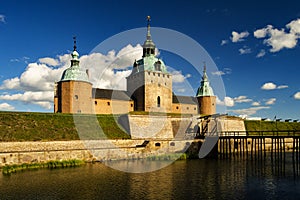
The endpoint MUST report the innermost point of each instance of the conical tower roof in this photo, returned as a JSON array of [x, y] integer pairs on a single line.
[[74, 72], [204, 89]]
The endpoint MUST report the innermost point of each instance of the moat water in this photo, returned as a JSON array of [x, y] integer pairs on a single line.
[[191, 179]]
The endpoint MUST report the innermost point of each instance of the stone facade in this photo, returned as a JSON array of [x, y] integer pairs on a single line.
[[207, 105], [112, 106], [73, 97]]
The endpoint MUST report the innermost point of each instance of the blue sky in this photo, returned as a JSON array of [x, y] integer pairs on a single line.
[[254, 45]]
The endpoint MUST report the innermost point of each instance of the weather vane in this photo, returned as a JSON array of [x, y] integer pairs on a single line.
[[148, 19]]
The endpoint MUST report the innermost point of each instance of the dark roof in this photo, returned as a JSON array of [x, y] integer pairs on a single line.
[[110, 94], [184, 99]]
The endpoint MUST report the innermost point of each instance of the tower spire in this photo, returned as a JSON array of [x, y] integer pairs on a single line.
[[74, 39], [204, 77], [148, 28], [149, 46]]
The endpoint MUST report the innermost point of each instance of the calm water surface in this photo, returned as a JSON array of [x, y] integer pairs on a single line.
[[192, 179]]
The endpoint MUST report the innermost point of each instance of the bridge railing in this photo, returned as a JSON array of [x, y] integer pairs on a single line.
[[260, 133]]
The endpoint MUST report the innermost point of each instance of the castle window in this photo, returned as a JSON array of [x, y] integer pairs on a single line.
[[158, 74], [194, 108], [163, 75], [157, 66], [158, 101], [108, 103], [167, 76], [131, 105], [76, 96], [177, 107], [187, 108], [78, 111], [165, 83], [153, 74], [96, 102], [159, 85], [157, 144], [148, 73]]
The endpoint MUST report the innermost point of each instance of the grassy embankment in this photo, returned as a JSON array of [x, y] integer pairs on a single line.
[[271, 127], [18, 126], [9, 169]]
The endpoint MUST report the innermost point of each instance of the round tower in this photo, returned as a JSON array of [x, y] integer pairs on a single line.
[[74, 91], [205, 96]]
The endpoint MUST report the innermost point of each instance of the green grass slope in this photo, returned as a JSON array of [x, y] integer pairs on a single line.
[[269, 127], [18, 126]]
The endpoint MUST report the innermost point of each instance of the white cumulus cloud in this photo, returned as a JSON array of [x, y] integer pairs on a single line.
[[238, 37], [255, 103], [269, 86], [261, 53], [270, 101], [6, 106], [227, 101], [242, 99], [222, 72], [278, 39], [245, 50], [249, 111], [178, 77], [294, 26], [42, 98], [272, 86], [49, 61], [297, 95], [282, 86]]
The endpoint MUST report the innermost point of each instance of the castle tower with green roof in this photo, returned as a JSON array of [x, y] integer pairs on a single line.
[[150, 84], [73, 93], [205, 96]]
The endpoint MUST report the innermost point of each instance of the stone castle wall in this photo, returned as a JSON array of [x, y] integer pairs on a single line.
[[88, 150], [112, 106]]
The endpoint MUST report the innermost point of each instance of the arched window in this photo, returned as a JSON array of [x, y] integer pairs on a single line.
[[158, 101], [157, 66]]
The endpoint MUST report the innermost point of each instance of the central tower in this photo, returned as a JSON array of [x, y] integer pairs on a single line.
[[150, 84]]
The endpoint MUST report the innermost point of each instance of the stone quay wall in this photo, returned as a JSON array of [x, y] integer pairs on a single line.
[[89, 150]]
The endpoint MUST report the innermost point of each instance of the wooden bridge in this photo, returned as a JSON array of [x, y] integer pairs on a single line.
[[258, 143]]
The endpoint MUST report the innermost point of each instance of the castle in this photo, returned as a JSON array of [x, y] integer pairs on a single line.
[[149, 89]]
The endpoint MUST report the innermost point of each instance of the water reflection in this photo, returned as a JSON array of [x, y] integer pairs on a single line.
[[191, 179]]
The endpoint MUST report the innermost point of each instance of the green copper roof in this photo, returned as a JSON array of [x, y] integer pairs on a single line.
[[204, 89], [75, 73], [149, 63]]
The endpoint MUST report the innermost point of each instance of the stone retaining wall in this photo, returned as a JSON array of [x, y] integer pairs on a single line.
[[89, 150]]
